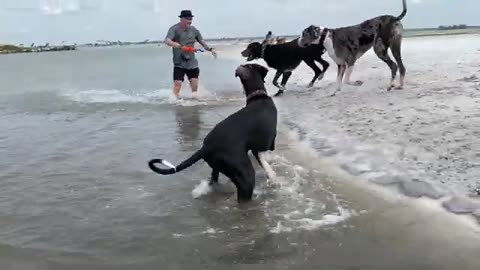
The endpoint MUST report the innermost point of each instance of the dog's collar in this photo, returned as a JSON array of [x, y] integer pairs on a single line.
[[323, 36], [260, 92]]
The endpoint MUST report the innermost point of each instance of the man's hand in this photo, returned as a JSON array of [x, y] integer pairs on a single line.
[[214, 53]]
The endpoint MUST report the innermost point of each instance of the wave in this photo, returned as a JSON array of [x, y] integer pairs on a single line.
[[158, 96], [117, 96]]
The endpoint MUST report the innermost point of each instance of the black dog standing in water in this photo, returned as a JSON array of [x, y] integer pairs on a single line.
[[286, 57], [225, 148]]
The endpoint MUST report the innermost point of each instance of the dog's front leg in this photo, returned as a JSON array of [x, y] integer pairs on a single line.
[[348, 73], [340, 73], [275, 82], [264, 164], [316, 70], [325, 66]]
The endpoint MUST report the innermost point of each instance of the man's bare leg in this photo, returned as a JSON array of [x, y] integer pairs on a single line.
[[194, 87], [177, 85]]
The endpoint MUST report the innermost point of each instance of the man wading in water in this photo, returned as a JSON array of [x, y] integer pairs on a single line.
[[181, 37]]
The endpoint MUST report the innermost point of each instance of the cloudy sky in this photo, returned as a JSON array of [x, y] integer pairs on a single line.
[[26, 21]]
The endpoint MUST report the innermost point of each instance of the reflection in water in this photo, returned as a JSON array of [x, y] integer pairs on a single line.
[[188, 122]]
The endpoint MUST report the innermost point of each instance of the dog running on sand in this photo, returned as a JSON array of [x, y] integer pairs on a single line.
[[347, 44]]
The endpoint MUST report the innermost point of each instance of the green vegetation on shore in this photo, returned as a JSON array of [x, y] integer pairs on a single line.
[[9, 49], [4, 49]]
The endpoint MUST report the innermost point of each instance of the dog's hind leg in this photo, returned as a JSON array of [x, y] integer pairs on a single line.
[[214, 177], [396, 49], [241, 172], [276, 77], [317, 70], [381, 50], [245, 183], [285, 78], [264, 164]]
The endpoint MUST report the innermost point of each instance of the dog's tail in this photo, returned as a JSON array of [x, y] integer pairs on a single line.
[[404, 12], [185, 164]]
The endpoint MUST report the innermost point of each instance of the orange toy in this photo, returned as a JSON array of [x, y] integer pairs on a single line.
[[189, 49]]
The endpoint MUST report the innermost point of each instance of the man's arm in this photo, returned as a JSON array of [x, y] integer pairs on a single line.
[[169, 39], [172, 43], [204, 44]]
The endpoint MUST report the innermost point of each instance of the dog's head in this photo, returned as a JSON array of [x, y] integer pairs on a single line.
[[310, 35], [252, 77], [253, 51]]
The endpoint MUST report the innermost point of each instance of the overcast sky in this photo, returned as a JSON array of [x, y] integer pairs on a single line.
[[26, 21]]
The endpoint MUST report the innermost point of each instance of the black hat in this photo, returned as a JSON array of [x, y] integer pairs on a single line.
[[186, 13]]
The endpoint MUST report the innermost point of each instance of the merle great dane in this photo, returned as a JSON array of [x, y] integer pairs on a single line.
[[346, 45]]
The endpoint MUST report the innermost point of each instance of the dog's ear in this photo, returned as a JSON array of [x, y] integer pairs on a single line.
[[311, 32], [263, 71], [241, 71]]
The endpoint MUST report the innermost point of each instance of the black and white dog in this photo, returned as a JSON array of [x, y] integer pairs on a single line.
[[347, 44], [225, 148], [286, 57]]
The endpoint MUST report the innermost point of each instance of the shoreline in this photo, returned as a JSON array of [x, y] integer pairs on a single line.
[[414, 33], [11, 49]]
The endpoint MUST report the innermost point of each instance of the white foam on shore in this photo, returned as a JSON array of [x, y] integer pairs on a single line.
[[155, 96], [302, 199], [201, 189], [116, 96]]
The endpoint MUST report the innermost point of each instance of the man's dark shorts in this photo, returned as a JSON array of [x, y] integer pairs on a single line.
[[179, 73]]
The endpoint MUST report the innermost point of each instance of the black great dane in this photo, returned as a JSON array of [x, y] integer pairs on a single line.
[[226, 147]]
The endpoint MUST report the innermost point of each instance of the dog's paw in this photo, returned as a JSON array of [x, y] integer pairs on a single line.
[[334, 93], [279, 93], [271, 175], [310, 85], [399, 87], [355, 83]]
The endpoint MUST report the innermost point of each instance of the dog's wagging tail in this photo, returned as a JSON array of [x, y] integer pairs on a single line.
[[404, 12], [175, 169]]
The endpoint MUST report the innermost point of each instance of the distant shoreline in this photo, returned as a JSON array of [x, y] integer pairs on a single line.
[[408, 33]]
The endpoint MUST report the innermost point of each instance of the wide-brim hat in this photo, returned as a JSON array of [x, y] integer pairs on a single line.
[[186, 13]]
